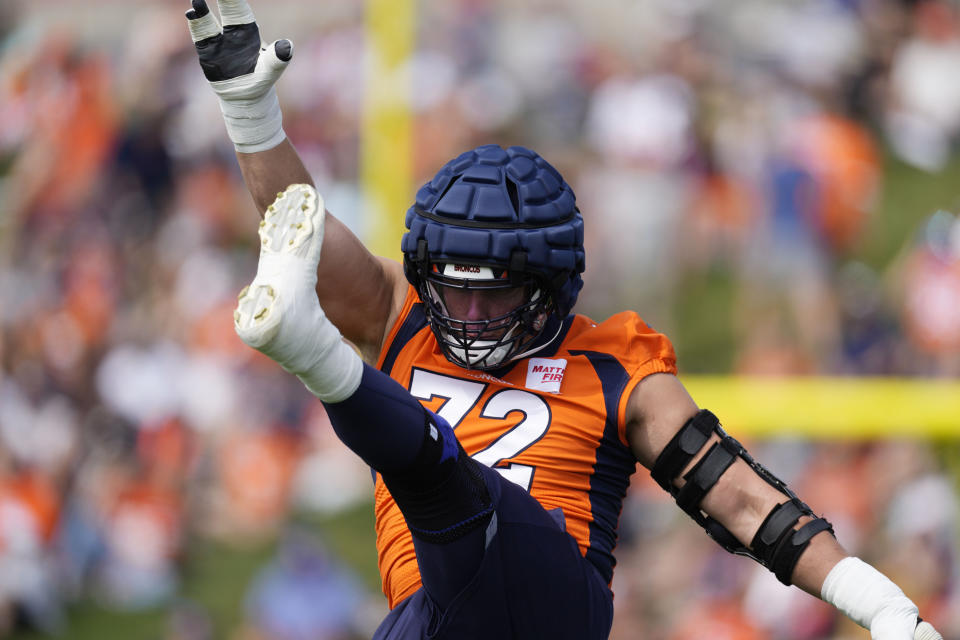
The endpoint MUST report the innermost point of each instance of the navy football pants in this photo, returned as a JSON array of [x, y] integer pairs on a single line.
[[518, 575], [531, 582]]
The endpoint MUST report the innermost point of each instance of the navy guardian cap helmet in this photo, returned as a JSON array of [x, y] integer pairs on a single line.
[[501, 221]]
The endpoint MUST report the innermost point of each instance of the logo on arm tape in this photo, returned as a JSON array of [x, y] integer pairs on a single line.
[[545, 374]]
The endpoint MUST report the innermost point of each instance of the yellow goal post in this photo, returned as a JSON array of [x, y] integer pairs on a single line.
[[831, 407]]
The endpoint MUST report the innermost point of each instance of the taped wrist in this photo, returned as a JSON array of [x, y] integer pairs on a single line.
[[776, 545], [254, 124], [870, 599], [442, 496]]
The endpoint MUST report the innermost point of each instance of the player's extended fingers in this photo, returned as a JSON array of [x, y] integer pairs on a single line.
[[276, 55], [283, 49], [235, 12], [198, 9], [202, 23]]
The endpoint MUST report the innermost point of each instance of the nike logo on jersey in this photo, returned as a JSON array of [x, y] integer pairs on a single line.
[[545, 374]]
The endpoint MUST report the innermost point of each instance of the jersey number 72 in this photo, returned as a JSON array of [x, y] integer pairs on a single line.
[[460, 396]]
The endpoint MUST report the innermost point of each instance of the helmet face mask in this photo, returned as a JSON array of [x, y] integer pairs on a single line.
[[480, 320], [494, 247]]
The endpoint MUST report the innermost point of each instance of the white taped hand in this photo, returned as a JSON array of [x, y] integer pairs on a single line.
[[235, 12], [242, 71], [873, 601]]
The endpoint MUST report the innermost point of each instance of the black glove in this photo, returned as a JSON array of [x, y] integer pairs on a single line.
[[241, 70]]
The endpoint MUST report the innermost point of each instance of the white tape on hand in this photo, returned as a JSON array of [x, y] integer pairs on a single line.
[[235, 12], [870, 599], [203, 27], [248, 101], [250, 106]]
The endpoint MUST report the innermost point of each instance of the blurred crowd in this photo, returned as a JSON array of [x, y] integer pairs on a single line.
[[743, 142]]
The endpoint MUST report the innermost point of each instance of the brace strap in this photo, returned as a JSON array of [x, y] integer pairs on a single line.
[[788, 552], [705, 474], [681, 449], [778, 522]]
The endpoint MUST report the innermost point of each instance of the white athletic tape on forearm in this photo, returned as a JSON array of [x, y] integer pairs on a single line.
[[254, 125], [870, 599], [235, 12]]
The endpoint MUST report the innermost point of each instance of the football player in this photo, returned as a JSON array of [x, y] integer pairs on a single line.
[[503, 428]]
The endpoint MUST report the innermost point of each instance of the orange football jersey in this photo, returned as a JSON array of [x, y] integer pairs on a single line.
[[553, 424]]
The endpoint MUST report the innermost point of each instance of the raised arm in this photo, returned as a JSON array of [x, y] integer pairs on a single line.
[[360, 293], [749, 511]]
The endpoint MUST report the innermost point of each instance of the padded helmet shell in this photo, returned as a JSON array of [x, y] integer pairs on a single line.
[[502, 207]]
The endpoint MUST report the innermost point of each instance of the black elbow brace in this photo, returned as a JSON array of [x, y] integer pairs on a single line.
[[776, 545]]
